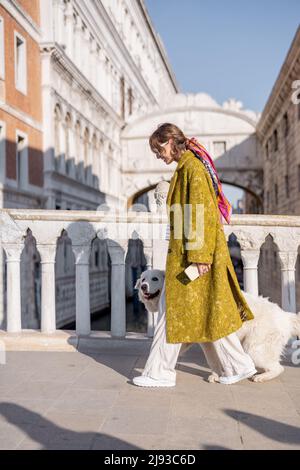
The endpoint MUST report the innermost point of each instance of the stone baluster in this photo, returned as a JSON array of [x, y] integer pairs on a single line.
[[118, 297], [250, 265], [288, 292], [48, 305], [250, 241], [83, 314], [13, 286]]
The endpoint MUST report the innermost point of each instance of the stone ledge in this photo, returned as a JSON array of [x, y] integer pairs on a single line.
[[67, 340]]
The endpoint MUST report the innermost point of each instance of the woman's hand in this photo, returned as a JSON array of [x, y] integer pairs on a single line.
[[203, 268]]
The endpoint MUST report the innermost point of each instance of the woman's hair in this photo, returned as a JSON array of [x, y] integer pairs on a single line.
[[163, 133]]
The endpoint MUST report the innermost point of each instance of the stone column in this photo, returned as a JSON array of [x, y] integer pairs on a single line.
[[102, 73], [48, 307], [93, 64], [69, 14], [288, 292], [250, 264], [86, 55], [59, 21], [83, 314], [78, 41], [13, 283], [118, 295]]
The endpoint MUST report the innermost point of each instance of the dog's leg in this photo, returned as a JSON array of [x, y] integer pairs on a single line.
[[212, 378], [270, 373]]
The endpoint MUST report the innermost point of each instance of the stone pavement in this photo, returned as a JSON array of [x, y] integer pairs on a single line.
[[84, 400]]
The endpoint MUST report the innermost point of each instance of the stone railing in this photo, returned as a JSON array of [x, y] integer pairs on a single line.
[[83, 226]]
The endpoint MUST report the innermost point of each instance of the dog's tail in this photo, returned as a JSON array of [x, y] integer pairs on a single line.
[[296, 325]]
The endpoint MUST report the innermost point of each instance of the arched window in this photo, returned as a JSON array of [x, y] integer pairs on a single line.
[[275, 141]]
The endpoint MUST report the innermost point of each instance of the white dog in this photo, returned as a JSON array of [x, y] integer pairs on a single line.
[[264, 338]]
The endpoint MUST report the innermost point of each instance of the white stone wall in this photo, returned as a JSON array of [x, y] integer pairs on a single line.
[[228, 131]]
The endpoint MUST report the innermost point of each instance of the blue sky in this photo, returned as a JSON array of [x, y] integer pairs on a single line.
[[226, 48], [237, 46]]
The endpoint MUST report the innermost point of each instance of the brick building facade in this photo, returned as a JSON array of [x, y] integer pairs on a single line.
[[20, 105]]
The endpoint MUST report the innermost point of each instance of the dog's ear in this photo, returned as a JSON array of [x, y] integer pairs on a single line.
[[137, 284]]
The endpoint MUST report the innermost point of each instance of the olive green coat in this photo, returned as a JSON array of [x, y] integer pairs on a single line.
[[212, 306]]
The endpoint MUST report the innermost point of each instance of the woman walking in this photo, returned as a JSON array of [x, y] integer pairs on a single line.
[[211, 308]]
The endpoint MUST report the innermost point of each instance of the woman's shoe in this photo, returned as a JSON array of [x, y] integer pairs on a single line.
[[145, 381], [232, 379]]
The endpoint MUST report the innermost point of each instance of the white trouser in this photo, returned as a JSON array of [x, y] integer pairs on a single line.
[[225, 356]]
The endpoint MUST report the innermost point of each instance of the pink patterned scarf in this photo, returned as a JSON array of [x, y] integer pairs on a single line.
[[201, 153]]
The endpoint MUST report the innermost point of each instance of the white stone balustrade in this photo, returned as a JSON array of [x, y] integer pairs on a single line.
[[83, 226]]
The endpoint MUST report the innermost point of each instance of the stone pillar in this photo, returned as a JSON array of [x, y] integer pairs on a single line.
[[13, 283], [250, 264], [78, 41], [48, 113], [83, 314], [70, 29], [86, 55], [288, 292], [118, 295], [102, 73], [93, 64], [59, 22], [48, 307]]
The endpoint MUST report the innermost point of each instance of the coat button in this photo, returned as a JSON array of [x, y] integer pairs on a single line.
[[169, 250]]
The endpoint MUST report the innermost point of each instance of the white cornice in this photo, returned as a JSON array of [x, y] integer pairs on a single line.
[[24, 20]]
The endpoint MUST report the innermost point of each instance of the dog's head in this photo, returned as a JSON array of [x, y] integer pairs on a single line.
[[149, 287]]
